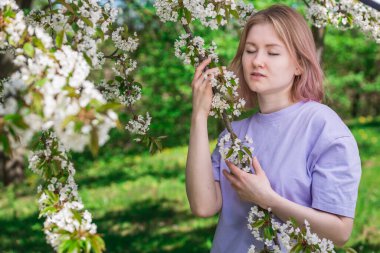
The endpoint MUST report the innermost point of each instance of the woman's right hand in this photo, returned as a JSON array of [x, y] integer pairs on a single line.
[[202, 89]]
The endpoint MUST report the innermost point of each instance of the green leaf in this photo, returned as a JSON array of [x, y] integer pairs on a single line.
[[296, 248], [29, 49], [17, 120], [75, 27], [59, 38], [87, 21], [109, 106], [52, 196], [49, 209], [38, 43], [240, 153], [67, 120], [66, 5], [6, 144], [77, 215], [227, 14], [230, 152], [219, 19], [151, 146], [88, 59], [41, 82], [294, 222], [188, 16], [258, 223], [37, 104], [119, 79], [247, 151], [235, 14], [97, 244], [9, 13], [180, 13], [267, 233], [350, 250], [100, 32], [87, 245]]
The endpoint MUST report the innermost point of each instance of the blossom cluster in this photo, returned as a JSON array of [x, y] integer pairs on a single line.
[[139, 125], [226, 97], [237, 151], [121, 91], [53, 87], [344, 15], [59, 201], [124, 65], [211, 14], [292, 238], [191, 49], [90, 24]]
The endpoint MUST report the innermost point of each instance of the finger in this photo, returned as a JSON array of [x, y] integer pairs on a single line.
[[201, 67], [256, 166], [213, 71], [233, 168], [230, 177]]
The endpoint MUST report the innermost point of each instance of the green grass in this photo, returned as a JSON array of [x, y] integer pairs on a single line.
[[139, 202]]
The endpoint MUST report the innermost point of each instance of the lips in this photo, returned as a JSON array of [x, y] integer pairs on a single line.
[[257, 74]]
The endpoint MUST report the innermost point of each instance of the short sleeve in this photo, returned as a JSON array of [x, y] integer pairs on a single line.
[[335, 177], [216, 159]]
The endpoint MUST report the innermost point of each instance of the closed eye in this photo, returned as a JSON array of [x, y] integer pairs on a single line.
[[273, 54], [250, 52]]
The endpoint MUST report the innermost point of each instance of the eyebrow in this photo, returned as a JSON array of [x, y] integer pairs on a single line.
[[267, 45]]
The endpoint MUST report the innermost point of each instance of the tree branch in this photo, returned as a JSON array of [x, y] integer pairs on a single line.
[[226, 121]]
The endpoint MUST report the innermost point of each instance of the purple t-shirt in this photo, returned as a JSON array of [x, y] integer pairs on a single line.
[[309, 156]]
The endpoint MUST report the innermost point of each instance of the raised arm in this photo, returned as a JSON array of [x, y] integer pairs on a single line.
[[203, 192]]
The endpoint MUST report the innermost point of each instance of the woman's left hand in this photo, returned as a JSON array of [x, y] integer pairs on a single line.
[[254, 188]]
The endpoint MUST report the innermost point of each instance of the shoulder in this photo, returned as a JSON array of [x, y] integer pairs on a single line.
[[321, 118]]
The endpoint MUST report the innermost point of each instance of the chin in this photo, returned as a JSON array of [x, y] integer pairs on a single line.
[[254, 88]]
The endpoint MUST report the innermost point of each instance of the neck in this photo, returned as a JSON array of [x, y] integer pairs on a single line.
[[269, 104]]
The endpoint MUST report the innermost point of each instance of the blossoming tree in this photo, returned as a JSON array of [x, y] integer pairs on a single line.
[[51, 106], [191, 49]]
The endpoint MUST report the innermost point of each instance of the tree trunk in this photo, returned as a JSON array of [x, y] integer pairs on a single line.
[[319, 36], [12, 168], [355, 104]]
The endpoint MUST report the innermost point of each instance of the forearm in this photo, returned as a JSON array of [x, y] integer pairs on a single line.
[[200, 184], [326, 225]]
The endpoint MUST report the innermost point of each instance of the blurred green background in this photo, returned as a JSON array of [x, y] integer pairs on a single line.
[[138, 201]]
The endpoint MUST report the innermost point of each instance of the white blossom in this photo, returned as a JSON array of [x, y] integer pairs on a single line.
[[139, 125], [338, 13]]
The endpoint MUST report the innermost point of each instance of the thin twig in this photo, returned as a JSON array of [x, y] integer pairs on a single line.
[[307, 4], [51, 18], [111, 55]]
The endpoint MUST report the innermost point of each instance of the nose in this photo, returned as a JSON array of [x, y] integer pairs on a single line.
[[258, 59]]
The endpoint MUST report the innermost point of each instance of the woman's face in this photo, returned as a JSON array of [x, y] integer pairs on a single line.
[[268, 67]]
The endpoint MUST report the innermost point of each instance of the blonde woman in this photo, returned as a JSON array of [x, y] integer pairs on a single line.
[[306, 164]]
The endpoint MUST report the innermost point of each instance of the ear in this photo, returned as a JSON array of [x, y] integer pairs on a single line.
[[297, 72]]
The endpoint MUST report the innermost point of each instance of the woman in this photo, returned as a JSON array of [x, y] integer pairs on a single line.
[[306, 164]]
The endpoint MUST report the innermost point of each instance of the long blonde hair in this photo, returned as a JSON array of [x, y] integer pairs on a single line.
[[294, 32]]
